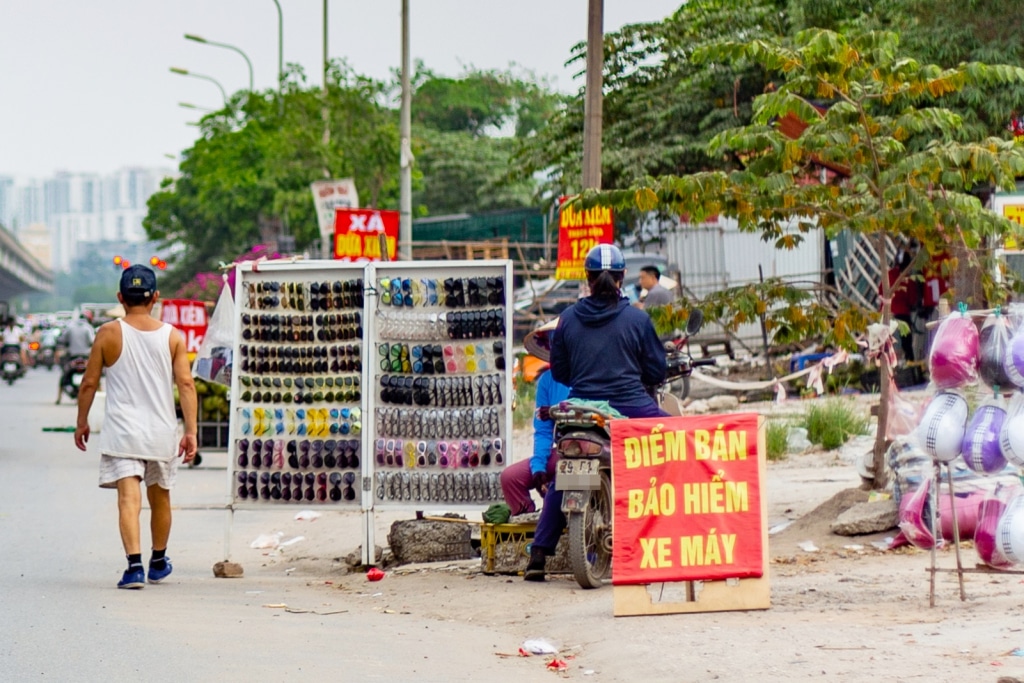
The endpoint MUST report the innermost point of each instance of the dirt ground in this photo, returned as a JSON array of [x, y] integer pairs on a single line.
[[847, 611]]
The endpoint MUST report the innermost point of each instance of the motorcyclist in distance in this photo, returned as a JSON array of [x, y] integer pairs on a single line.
[[77, 339], [605, 350], [14, 338]]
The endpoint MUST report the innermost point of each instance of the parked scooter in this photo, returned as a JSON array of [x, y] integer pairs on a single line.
[[583, 442], [71, 378]]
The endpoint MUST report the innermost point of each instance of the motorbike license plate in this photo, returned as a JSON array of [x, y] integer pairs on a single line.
[[76, 380], [581, 466], [578, 474], [10, 367]]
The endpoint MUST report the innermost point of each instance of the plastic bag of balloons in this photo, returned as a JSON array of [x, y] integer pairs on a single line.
[[909, 464], [953, 361], [986, 535], [903, 415], [994, 349], [915, 513]]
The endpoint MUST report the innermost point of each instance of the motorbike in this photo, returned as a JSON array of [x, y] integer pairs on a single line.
[[44, 357], [583, 443], [11, 366], [69, 387]]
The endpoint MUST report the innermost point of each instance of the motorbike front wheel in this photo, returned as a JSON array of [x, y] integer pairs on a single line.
[[590, 538]]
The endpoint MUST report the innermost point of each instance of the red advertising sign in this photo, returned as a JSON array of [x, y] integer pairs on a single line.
[[189, 317], [687, 499], [357, 234], [579, 231]]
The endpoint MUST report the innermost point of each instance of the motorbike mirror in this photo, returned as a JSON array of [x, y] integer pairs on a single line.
[[694, 322]]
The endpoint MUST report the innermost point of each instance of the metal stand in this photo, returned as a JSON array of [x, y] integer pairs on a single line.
[[936, 534]]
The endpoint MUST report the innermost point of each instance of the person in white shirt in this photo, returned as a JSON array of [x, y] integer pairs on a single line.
[[14, 340], [144, 360]]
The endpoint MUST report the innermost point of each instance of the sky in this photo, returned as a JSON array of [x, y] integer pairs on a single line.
[[86, 86]]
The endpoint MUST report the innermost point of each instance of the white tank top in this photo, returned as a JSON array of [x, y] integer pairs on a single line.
[[140, 422]]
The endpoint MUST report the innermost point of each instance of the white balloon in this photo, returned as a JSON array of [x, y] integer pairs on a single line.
[[941, 432]]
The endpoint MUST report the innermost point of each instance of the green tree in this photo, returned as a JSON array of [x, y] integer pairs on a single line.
[[660, 107], [870, 101], [464, 132], [252, 165]]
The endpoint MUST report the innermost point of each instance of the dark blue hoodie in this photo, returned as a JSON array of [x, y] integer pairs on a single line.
[[608, 351]]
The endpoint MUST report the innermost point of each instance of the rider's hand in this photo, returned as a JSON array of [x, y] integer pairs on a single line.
[[540, 481], [543, 413]]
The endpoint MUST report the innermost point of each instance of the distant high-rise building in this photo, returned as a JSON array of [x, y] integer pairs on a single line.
[[7, 203], [86, 208]]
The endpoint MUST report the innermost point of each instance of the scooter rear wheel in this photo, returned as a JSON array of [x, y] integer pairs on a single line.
[[590, 538]]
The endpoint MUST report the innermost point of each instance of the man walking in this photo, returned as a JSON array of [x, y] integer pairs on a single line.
[[144, 358]]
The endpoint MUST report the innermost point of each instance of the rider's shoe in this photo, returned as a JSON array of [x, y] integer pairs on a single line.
[[535, 568]]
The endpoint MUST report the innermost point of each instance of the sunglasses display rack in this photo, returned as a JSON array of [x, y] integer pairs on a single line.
[[441, 387], [297, 388], [370, 386]]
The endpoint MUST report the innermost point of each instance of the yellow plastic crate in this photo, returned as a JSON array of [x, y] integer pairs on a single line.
[[505, 549]]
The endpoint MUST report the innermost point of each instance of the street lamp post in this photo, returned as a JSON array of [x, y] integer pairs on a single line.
[[198, 39], [280, 59], [186, 72], [280, 44]]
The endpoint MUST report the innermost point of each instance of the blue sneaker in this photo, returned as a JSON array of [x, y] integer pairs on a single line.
[[158, 575], [134, 577]]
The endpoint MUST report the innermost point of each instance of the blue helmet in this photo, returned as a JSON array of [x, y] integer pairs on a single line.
[[605, 257]]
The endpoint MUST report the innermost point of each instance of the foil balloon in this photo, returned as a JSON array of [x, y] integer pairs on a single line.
[[1011, 434], [1010, 531], [980, 447], [986, 540], [941, 432]]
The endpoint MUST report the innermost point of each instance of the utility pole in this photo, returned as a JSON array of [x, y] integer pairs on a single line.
[[405, 150], [326, 112], [592, 118]]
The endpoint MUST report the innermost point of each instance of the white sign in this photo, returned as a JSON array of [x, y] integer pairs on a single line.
[[329, 195]]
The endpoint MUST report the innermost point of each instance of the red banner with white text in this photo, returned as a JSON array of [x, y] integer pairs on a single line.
[[357, 234], [687, 499], [189, 317]]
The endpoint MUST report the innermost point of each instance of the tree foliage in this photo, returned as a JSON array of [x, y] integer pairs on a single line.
[[248, 174], [861, 101]]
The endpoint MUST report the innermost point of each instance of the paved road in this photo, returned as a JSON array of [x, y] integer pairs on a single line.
[[61, 617]]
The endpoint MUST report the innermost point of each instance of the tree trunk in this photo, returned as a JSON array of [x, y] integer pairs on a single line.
[[884, 372]]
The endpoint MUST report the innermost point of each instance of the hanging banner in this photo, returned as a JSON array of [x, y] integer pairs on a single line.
[[357, 234], [329, 195], [687, 499], [189, 317], [579, 231]]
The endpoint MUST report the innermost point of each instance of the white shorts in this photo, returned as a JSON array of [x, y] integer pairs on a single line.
[[163, 473]]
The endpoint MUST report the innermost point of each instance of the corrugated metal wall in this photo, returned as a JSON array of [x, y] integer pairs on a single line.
[[715, 256]]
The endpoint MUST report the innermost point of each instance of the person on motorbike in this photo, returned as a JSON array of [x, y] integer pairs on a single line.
[[77, 339], [14, 338], [606, 350], [519, 478]]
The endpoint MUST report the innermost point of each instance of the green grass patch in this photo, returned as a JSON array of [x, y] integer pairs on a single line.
[[831, 423], [777, 439]]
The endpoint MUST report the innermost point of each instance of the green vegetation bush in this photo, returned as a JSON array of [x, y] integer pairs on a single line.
[[777, 440], [831, 423], [526, 395]]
